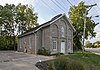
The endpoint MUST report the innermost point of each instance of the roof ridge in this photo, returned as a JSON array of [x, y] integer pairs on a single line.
[[34, 28]]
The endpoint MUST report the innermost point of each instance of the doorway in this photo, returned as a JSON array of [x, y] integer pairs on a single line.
[[62, 47]]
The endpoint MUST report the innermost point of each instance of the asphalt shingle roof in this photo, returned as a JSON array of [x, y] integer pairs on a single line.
[[33, 29]]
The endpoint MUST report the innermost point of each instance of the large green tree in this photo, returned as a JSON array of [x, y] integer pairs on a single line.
[[25, 18], [15, 20], [77, 16]]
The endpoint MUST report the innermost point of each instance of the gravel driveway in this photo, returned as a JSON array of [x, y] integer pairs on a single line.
[[11, 60]]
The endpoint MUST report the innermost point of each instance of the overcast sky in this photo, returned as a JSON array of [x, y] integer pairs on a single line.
[[46, 9]]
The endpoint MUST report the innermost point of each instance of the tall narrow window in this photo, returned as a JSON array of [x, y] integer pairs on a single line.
[[54, 30], [62, 31], [24, 41], [30, 41], [70, 33], [54, 45], [69, 45], [20, 43]]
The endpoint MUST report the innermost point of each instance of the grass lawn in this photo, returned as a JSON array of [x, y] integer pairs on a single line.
[[89, 61]]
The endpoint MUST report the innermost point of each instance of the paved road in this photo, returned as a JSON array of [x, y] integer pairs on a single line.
[[10, 60], [95, 50]]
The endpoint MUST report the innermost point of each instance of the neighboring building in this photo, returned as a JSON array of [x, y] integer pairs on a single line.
[[55, 35]]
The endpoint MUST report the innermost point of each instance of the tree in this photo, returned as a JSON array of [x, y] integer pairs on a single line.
[[88, 44], [25, 18], [93, 45], [7, 24], [76, 15], [97, 44], [15, 20]]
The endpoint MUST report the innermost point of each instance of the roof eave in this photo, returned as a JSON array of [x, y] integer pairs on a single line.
[[69, 22]]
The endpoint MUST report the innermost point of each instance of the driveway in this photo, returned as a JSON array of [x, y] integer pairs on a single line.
[[95, 50], [11, 60]]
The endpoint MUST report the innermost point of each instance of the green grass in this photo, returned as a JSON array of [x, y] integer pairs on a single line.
[[88, 58], [90, 61]]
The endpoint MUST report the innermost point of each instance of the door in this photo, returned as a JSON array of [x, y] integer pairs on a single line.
[[62, 47]]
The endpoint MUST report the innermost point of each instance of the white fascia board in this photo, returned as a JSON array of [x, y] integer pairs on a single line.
[[49, 23], [56, 20]]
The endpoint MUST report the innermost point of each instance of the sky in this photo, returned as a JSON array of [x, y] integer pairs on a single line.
[[47, 9]]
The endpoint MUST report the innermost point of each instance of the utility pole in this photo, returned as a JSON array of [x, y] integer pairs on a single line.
[[84, 32], [85, 15]]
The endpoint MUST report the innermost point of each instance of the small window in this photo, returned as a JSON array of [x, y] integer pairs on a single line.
[[54, 45]]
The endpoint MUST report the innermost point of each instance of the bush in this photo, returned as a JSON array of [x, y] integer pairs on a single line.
[[43, 51], [62, 63], [7, 43], [58, 54]]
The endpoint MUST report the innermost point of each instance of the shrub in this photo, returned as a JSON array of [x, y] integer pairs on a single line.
[[7, 43], [58, 54], [62, 63], [43, 51]]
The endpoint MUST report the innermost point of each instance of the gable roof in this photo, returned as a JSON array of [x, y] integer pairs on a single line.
[[35, 29]]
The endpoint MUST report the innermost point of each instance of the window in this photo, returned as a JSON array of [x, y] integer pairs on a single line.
[[30, 41], [54, 45], [20, 43], [69, 45], [70, 33], [24, 41], [54, 30], [62, 31]]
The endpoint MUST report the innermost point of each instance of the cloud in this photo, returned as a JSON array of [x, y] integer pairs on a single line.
[[97, 38]]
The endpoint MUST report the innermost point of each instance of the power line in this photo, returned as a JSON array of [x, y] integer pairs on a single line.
[[97, 4], [57, 5], [70, 2], [91, 3], [63, 2], [95, 11], [75, 1], [48, 6], [60, 4]]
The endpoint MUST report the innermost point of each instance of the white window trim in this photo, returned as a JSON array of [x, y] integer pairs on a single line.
[[56, 46]]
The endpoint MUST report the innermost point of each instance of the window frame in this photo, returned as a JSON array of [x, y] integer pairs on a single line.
[[55, 49]]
